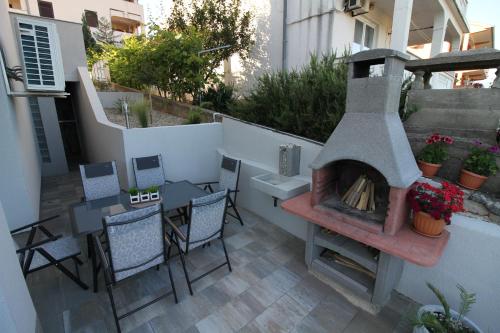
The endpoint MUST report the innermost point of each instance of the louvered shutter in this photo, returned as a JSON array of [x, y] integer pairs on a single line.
[[41, 54]]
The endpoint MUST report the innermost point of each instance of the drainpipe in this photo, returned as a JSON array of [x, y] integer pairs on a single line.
[[284, 58]]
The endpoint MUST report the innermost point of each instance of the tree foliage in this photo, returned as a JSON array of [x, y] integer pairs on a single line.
[[308, 102], [221, 22], [104, 33], [165, 59]]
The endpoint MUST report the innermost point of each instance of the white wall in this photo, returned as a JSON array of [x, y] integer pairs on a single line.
[[258, 149], [17, 313], [188, 151], [102, 140], [19, 163], [470, 259]]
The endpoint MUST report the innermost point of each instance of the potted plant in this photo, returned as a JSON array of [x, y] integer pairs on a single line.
[[134, 195], [154, 193], [479, 165], [434, 154], [442, 319], [145, 196], [433, 206]]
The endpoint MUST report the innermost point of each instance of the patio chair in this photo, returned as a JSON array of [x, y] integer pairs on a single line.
[[99, 180], [148, 171], [228, 179], [206, 223], [51, 250], [137, 241]]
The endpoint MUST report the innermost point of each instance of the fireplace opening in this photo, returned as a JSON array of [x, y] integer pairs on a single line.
[[350, 191]]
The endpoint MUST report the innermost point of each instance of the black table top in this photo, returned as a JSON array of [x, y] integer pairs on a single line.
[[86, 217]]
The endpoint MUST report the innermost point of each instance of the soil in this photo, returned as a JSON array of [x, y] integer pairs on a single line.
[[159, 119]]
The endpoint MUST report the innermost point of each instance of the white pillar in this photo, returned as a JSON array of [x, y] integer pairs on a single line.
[[438, 33], [455, 43], [401, 19]]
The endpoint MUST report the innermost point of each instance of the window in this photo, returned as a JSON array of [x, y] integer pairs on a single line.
[[45, 9], [41, 54], [364, 34], [43, 147], [91, 18]]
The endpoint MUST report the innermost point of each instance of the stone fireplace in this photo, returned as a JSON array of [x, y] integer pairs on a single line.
[[369, 142]]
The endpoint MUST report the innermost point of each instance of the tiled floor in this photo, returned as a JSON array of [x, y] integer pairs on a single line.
[[269, 289]]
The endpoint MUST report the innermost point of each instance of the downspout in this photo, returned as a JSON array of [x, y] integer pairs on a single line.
[[284, 56]]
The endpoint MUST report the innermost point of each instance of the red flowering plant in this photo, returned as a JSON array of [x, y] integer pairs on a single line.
[[440, 203], [435, 151]]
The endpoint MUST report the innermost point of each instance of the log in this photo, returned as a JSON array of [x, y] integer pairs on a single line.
[[351, 189]]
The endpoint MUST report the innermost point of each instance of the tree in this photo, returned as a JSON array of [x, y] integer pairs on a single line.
[[105, 33], [221, 22], [165, 59], [88, 39]]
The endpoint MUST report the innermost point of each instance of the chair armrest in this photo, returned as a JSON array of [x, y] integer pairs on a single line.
[[168, 241], [206, 183], [33, 224], [37, 244], [174, 227]]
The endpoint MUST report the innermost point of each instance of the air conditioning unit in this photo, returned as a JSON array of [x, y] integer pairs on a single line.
[[351, 5], [41, 55], [357, 7]]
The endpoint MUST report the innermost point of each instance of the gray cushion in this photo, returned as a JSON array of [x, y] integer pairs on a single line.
[[61, 248], [100, 186], [146, 177], [138, 245], [207, 218]]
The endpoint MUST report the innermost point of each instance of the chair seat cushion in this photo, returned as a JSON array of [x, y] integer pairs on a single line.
[[193, 242], [60, 249]]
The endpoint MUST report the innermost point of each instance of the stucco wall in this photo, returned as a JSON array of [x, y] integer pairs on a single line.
[[17, 312], [20, 167], [470, 259]]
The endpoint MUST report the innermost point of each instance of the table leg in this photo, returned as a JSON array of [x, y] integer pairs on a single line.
[[93, 259]]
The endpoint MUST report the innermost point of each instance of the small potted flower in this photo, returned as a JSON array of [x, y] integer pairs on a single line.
[[434, 154], [134, 195], [145, 196], [154, 193], [433, 206], [479, 165], [441, 318]]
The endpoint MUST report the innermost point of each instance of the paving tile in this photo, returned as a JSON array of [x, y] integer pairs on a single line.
[[281, 316], [309, 292], [365, 322]]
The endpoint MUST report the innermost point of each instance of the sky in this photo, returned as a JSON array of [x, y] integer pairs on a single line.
[[483, 11]]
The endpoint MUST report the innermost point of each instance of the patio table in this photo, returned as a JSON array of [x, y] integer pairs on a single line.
[[86, 217]]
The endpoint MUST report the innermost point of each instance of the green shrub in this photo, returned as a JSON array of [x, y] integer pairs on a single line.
[[309, 102], [194, 117], [207, 105], [482, 160], [133, 191], [141, 110], [220, 96]]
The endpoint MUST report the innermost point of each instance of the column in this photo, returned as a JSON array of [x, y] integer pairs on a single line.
[[401, 19], [438, 33], [455, 43]]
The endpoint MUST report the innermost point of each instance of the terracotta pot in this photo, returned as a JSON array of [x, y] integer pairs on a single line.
[[426, 225], [428, 169], [471, 180]]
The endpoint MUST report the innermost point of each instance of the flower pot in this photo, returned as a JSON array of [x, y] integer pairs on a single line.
[[135, 198], [471, 180], [153, 196], [437, 308], [145, 196], [428, 169], [426, 225]]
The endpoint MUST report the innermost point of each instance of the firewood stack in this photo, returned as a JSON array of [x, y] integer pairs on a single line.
[[361, 194]]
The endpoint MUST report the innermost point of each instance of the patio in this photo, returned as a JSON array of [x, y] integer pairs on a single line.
[[269, 289]]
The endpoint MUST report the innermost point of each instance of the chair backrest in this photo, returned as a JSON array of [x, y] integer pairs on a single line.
[[136, 240], [229, 175], [99, 180], [148, 171], [207, 215]]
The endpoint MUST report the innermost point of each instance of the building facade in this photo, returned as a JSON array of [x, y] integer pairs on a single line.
[[289, 31]]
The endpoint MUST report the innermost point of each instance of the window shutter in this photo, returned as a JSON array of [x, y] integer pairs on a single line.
[[41, 54]]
